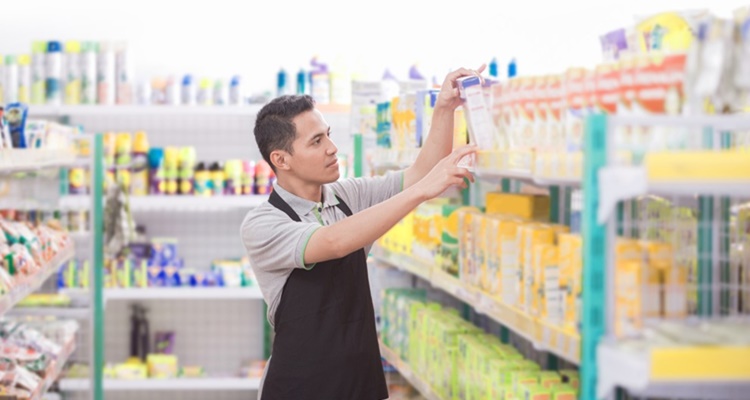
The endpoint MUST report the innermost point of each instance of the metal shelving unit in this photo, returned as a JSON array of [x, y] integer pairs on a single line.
[[177, 384]]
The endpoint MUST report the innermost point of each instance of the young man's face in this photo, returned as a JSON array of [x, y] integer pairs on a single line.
[[314, 158]]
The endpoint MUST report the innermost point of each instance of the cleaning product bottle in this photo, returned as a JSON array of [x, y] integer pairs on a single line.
[[171, 167], [10, 85], [320, 86], [123, 157], [233, 177], [24, 78], [89, 52], [187, 93], [493, 67], [235, 91], [38, 75], [217, 179], [262, 177], [139, 181], [156, 171], [301, 79], [281, 83], [219, 93], [123, 74], [186, 169], [72, 75], [248, 177], [105, 74], [202, 180], [54, 73], [203, 96]]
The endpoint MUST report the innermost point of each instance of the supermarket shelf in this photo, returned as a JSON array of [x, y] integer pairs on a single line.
[[27, 160], [557, 181], [496, 174], [406, 371], [173, 203], [54, 370], [161, 110], [213, 384], [60, 312], [697, 373], [123, 110], [739, 188], [33, 283], [172, 293], [543, 336], [401, 262]]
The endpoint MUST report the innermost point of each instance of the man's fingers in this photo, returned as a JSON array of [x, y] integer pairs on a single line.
[[461, 152]]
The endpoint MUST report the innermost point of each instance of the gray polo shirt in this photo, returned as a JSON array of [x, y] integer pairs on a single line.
[[276, 244]]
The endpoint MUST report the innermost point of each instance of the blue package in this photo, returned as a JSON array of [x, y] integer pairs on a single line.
[[171, 276], [15, 114], [164, 251], [155, 276]]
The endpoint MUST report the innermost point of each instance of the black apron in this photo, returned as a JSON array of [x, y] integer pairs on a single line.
[[326, 345]]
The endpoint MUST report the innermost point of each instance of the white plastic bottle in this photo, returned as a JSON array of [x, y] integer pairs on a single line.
[[54, 73], [88, 72], [105, 81], [11, 80], [24, 78], [38, 74], [235, 91], [72, 76], [124, 74]]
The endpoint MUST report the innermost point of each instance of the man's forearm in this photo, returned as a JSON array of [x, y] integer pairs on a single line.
[[353, 233], [439, 144]]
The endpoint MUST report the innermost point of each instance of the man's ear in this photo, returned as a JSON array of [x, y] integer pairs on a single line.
[[280, 159]]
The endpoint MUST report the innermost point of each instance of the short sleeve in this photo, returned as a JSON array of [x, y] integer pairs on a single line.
[[362, 193]]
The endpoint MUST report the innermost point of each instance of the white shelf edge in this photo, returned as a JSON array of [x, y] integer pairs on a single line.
[[182, 203], [9, 300], [630, 370], [173, 293], [214, 384], [159, 109], [62, 312], [405, 370]]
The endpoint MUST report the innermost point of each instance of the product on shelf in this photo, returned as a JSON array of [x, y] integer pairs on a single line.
[[27, 247], [457, 359], [31, 352], [46, 138]]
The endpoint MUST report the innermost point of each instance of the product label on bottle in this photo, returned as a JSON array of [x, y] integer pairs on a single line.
[[658, 83]]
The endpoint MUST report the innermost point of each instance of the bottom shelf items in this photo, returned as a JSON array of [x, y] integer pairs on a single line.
[[405, 370]]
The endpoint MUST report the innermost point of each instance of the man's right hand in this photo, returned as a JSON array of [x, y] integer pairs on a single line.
[[445, 174]]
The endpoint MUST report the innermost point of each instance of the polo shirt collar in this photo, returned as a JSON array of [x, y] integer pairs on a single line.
[[304, 206]]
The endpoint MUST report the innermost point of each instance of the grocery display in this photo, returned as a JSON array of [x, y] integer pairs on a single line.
[[603, 251]]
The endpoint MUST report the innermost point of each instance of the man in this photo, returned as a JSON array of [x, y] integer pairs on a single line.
[[308, 246]]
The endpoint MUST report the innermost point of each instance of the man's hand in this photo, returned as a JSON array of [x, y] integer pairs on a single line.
[[448, 97], [445, 174]]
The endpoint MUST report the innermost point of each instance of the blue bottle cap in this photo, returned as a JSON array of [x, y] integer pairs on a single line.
[[187, 80], [235, 81], [512, 68], [53, 46]]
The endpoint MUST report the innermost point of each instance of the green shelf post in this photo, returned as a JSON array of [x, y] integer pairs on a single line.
[[593, 313], [705, 242], [358, 155], [505, 185], [620, 219], [97, 183], [568, 204], [724, 239]]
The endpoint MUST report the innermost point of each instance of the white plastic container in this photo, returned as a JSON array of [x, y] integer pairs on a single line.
[[11, 80], [88, 72], [24, 78], [124, 74], [53, 81], [72, 73], [38, 74], [105, 81]]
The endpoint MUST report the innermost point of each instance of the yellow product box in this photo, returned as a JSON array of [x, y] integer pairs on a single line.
[[528, 206], [162, 366], [570, 249], [672, 278], [130, 370], [534, 391], [524, 377], [482, 242], [548, 379], [428, 221], [489, 275], [570, 377], [564, 392], [530, 235], [548, 300], [636, 295], [448, 257], [698, 165], [399, 239], [468, 242], [509, 271]]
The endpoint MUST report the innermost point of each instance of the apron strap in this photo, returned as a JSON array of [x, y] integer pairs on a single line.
[[279, 203], [343, 207]]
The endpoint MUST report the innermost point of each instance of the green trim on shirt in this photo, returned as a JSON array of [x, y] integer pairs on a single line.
[[403, 174], [305, 267]]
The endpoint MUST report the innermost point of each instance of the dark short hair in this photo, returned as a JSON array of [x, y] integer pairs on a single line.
[[274, 129]]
